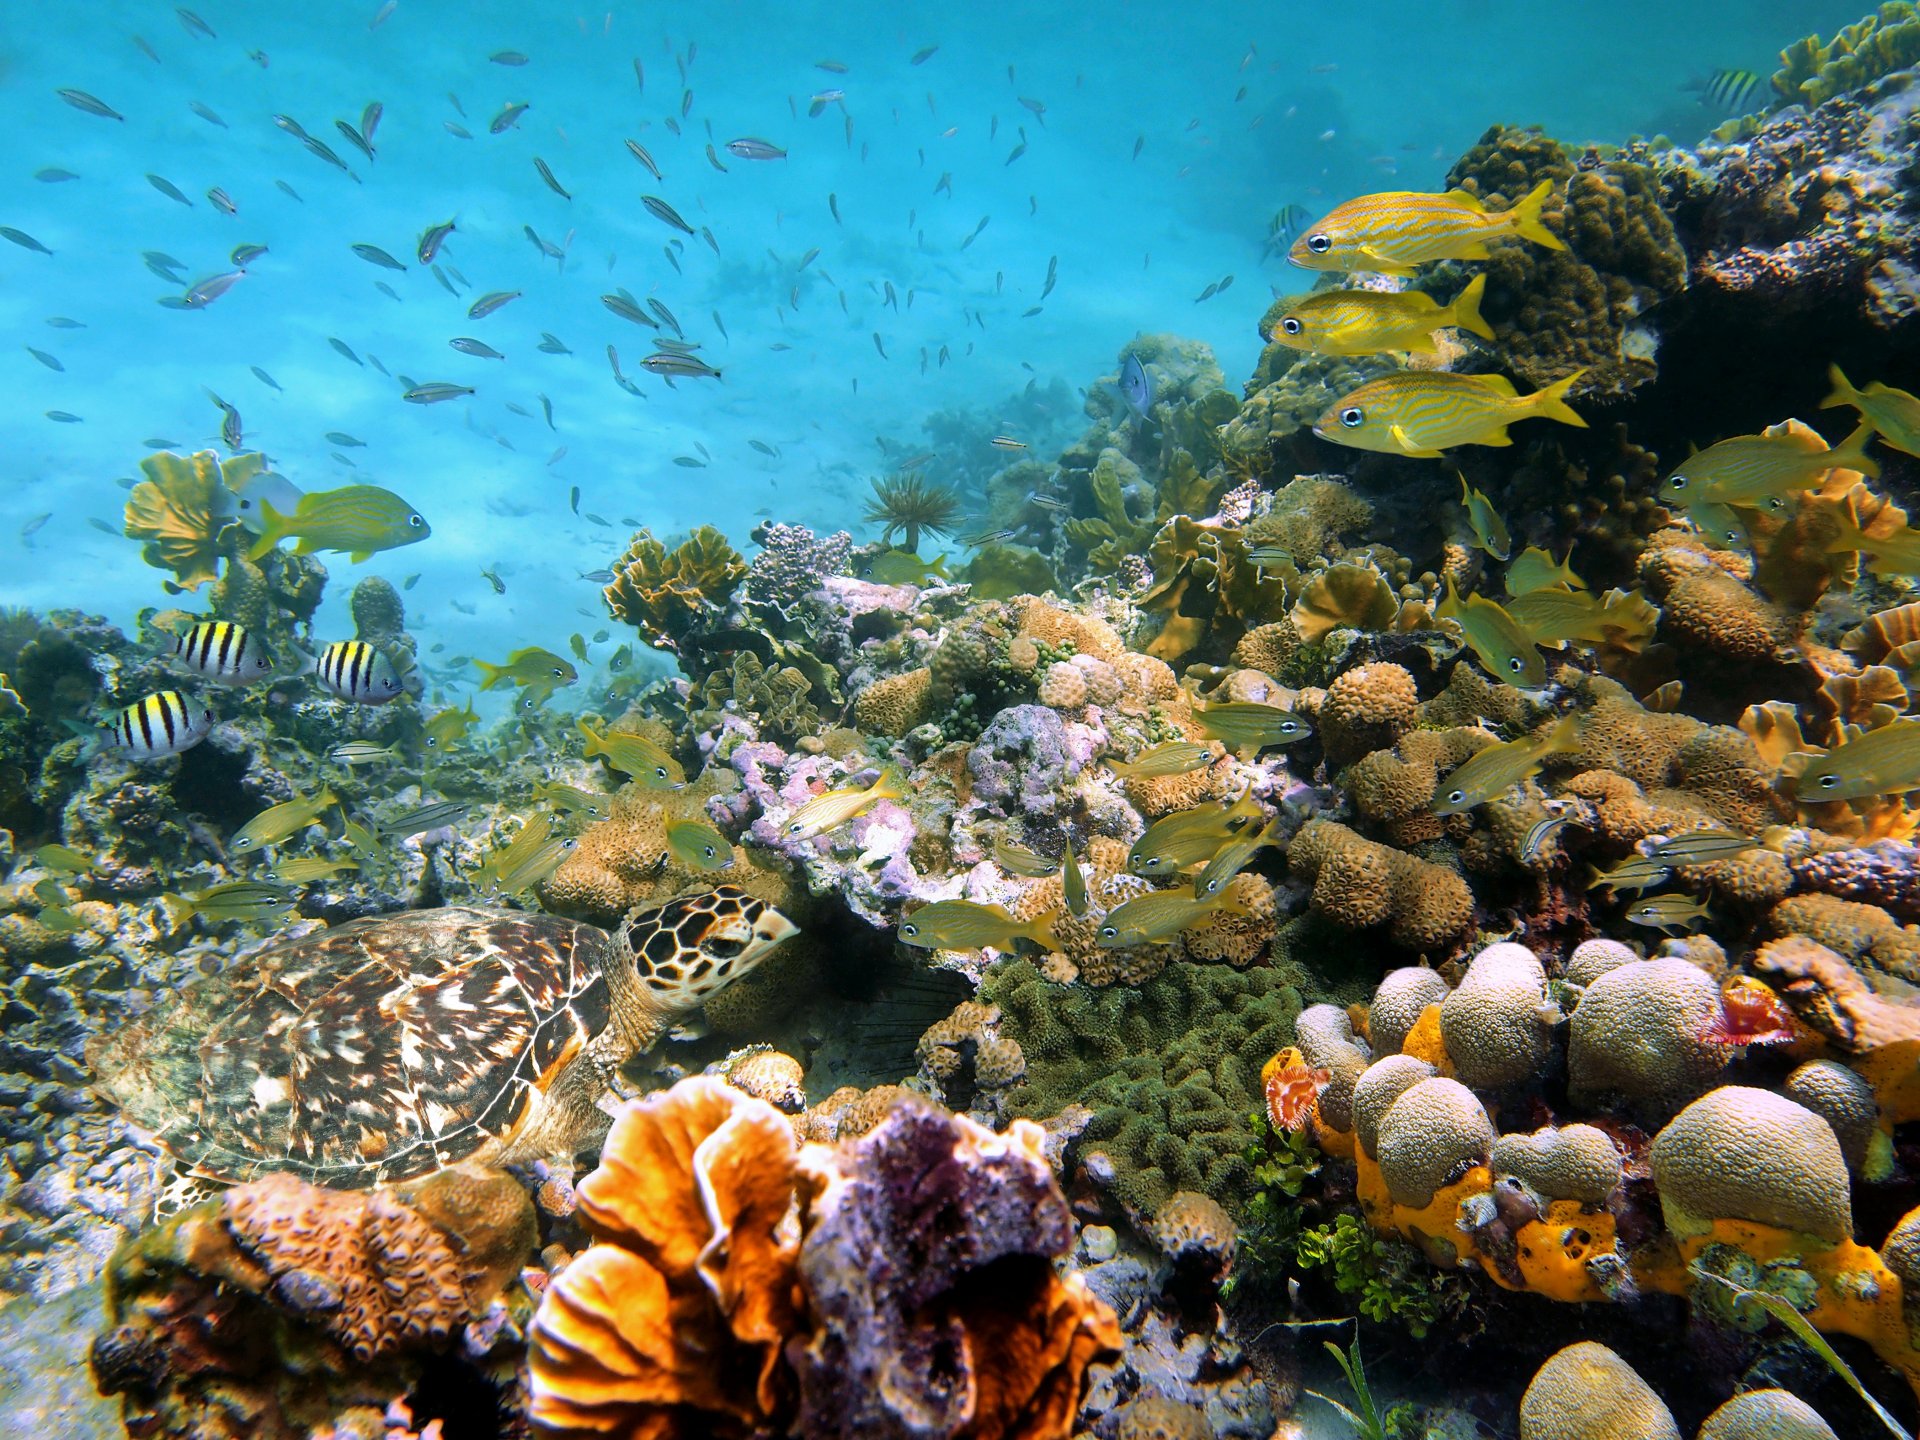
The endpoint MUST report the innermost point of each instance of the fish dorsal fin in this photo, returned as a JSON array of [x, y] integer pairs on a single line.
[[1468, 199], [1500, 385]]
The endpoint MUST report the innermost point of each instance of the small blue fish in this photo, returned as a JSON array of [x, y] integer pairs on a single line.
[[1136, 385]]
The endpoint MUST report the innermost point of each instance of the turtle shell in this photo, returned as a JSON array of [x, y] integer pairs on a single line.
[[376, 1051]]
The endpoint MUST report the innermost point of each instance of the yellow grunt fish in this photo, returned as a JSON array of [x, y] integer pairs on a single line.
[[1188, 837], [450, 725], [360, 519], [1497, 640], [1893, 414], [1719, 525], [1635, 873], [967, 925], [699, 846], [1534, 569], [1420, 413], [1885, 761], [1367, 322], [1175, 757], [1895, 554], [1018, 860], [836, 807], [1490, 773], [571, 800], [528, 667], [1073, 884], [308, 868], [1553, 617], [1397, 230], [1667, 912], [1231, 858], [1247, 727], [1489, 530], [634, 755], [1761, 470], [277, 822], [1147, 919]]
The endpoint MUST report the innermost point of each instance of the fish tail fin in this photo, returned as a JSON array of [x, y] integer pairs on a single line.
[[1527, 222], [179, 909], [596, 742], [273, 529], [1041, 932], [1465, 309], [892, 785], [1565, 736], [492, 675], [1844, 392], [1550, 402], [1851, 453], [325, 800]]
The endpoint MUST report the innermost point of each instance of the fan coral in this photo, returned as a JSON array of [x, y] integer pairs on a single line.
[[183, 510], [1811, 72], [666, 594], [912, 506]]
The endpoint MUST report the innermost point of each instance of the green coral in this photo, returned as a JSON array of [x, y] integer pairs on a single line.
[[1291, 389], [1811, 73], [1000, 572], [1731, 1307], [1556, 311], [665, 594], [183, 512], [1170, 1069], [1308, 518]]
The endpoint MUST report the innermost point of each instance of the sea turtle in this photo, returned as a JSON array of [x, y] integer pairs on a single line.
[[389, 1047]]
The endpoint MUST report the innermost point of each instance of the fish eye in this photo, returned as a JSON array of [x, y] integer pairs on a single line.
[[1291, 325], [1288, 727], [1109, 932], [708, 851], [1454, 797], [1516, 665], [1827, 782], [661, 771], [1352, 417], [795, 828], [431, 742], [415, 522], [1319, 244], [907, 927], [559, 674]]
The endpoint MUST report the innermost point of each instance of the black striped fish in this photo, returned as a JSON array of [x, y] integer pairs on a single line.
[[1733, 91], [165, 723], [222, 651], [356, 671]]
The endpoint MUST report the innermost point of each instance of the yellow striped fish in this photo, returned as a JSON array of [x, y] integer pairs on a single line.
[[354, 670], [221, 651], [1366, 322], [1397, 230], [1423, 412], [359, 519], [165, 723]]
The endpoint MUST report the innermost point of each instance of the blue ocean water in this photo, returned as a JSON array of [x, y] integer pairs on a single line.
[[1148, 148]]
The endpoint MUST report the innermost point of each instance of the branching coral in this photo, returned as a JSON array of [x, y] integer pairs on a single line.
[[665, 594]]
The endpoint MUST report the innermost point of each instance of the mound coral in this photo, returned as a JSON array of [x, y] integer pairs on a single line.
[[1367, 708], [1436, 1129], [1358, 884], [1746, 1154], [1586, 1392], [1574, 1162], [1640, 1029], [665, 594], [1493, 1024], [283, 1307], [1766, 1415]]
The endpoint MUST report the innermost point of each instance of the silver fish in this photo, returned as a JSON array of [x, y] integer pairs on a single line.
[[435, 391], [89, 104], [750, 148], [490, 302], [431, 239], [665, 213]]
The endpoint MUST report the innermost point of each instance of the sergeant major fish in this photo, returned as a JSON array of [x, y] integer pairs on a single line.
[[356, 671], [224, 652], [164, 723]]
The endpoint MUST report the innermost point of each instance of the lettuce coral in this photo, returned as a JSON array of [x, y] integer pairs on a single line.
[[183, 510], [665, 594]]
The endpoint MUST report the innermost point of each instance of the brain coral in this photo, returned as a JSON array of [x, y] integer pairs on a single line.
[[1586, 1392], [1738, 1153], [1493, 1024], [1326, 1038], [1436, 1129], [1401, 999], [1573, 1162], [1766, 1415], [1379, 1085], [1844, 1099], [1637, 1030]]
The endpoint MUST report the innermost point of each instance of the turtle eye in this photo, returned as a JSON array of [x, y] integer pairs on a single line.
[[1290, 325], [1353, 417], [1319, 244], [723, 947]]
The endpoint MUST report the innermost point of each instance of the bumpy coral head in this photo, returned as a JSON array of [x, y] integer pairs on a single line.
[[688, 949], [1750, 1014], [1293, 1088]]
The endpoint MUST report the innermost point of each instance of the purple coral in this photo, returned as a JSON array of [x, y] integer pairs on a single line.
[[792, 563], [1022, 761], [1885, 873]]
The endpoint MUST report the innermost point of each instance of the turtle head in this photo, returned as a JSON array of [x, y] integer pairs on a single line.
[[686, 951]]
